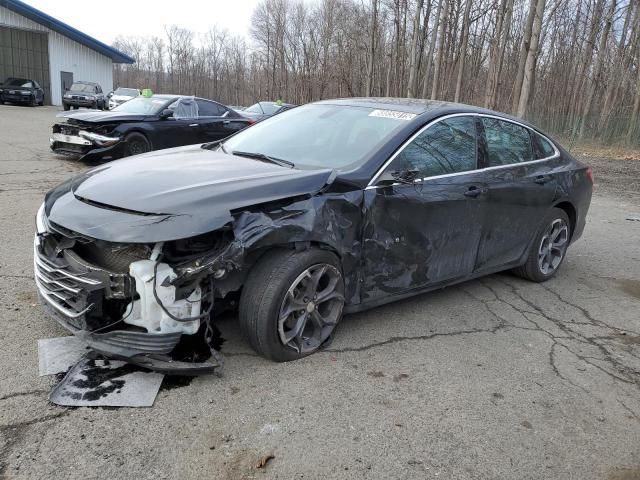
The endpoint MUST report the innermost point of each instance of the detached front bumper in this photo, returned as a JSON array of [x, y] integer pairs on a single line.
[[70, 293], [89, 146]]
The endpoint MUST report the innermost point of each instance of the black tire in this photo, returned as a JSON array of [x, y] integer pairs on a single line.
[[135, 144], [41, 102], [66, 107], [75, 107], [33, 102], [263, 297], [533, 269]]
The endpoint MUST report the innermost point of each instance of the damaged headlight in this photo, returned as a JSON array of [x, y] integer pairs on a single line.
[[42, 225], [101, 140]]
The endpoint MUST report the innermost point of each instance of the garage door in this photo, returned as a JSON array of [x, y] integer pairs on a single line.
[[25, 54]]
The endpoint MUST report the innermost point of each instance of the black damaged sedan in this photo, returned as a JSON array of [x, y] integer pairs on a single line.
[[144, 124], [330, 208]]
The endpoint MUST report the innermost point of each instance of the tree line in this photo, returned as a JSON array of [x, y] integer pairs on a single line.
[[570, 66]]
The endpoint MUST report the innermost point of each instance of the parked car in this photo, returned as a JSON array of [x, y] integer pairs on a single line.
[[84, 94], [261, 110], [144, 124], [237, 108], [21, 90], [121, 95], [329, 208]]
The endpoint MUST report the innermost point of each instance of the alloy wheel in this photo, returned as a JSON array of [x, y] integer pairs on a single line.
[[311, 308], [553, 246]]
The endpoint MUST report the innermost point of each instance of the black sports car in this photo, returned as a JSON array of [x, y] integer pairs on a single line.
[[144, 124], [330, 208], [21, 90]]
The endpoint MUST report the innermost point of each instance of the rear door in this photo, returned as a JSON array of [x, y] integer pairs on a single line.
[[216, 121], [521, 189], [424, 232]]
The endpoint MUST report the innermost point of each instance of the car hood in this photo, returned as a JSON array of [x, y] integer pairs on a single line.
[[97, 116], [172, 194]]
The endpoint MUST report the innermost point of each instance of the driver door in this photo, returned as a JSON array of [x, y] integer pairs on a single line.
[[425, 231]]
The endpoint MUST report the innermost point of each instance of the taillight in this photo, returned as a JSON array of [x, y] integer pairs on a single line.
[[589, 174], [251, 121]]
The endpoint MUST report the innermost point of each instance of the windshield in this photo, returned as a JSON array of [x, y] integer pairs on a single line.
[[126, 92], [318, 135], [82, 87], [20, 82], [143, 106], [270, 107]]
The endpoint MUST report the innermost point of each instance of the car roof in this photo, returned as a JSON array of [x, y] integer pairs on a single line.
[[408, 105], [83, 82], [418, 106]]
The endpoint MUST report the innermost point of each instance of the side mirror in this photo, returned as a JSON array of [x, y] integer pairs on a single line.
[[166, 113], [398, 176]]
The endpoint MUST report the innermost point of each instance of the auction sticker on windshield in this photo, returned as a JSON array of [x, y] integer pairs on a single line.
[[393, 114]]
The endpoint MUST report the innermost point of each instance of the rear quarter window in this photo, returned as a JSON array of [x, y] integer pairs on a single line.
[[542, 147]]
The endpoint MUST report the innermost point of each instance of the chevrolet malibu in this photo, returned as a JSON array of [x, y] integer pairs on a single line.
[[330, 208]]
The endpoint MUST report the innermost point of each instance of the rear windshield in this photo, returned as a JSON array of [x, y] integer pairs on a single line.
[[320, 135]]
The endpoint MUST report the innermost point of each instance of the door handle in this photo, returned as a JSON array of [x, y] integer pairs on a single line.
[[541, 179], [474, 191], [193, 124], [226, 122]]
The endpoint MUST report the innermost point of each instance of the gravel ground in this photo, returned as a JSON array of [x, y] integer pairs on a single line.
[[495, 378]]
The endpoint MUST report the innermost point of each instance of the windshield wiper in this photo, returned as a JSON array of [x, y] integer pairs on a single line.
[[264, 158]]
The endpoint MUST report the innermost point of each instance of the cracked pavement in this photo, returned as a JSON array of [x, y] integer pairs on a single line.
[[494, 378]]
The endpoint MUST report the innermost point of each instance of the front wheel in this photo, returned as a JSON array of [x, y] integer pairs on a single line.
[[548, 248], [291, 303], [136, 144]]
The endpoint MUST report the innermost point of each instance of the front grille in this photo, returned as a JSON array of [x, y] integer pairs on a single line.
[[82, 295], [62, 289]]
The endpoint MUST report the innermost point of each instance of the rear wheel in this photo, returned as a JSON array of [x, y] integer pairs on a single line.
[[291, 303], [135, 144], [548, 248], [66, 107]]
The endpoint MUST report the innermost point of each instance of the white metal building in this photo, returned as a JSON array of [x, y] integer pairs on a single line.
[[35, 45]]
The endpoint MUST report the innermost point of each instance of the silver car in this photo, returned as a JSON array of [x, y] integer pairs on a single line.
[[121, 95]]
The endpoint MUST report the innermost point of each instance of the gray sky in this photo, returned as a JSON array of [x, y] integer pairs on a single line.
[[148, 17]]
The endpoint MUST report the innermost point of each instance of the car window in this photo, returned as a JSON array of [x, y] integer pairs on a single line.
[[447, 146], [255, 108], [209, 109], [542, 147], [36, 84], [270, 108], [507, 143]]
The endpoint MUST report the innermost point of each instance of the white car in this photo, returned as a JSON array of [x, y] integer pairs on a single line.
[[121, 95]]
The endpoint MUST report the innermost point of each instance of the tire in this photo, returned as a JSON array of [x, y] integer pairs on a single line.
[[542, 261], [135, 144], [41, 102], [266, 294], [75, 107], [66, 107]]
